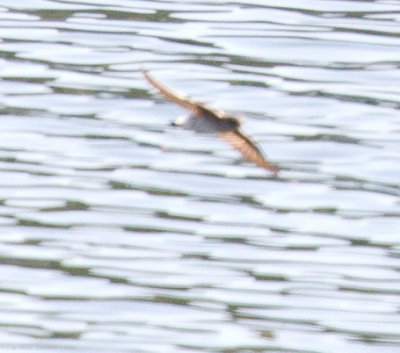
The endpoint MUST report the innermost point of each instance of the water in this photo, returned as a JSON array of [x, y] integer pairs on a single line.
[[120, 233]]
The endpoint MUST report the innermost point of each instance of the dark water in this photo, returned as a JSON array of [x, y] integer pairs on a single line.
[[120, 233]]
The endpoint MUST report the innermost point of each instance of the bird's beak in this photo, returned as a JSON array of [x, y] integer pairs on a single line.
[[180, 121]]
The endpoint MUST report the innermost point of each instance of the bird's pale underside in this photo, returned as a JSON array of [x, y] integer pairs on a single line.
[[225, 125]]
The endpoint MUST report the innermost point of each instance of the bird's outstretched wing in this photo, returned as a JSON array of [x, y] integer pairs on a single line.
[[197, 108], [248, 149]]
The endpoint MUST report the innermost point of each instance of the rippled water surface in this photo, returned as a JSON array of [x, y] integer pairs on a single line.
[[121, 233]]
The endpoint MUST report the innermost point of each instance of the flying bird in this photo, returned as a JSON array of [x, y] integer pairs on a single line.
[[208, 120]]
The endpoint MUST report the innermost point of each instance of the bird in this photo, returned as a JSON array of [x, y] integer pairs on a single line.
[[208, 120]]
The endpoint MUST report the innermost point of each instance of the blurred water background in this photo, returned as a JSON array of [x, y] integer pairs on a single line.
[[120, 233]]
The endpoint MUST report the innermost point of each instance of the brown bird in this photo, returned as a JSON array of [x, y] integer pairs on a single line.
[[204, 119]]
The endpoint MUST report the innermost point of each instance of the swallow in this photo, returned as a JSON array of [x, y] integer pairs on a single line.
[[205, 119]]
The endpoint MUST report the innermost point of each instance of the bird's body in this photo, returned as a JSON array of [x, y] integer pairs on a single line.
[[205, 126], [206, 120]]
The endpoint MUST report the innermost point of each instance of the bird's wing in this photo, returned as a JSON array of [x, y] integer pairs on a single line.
[[248, 149], [198, 109]]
